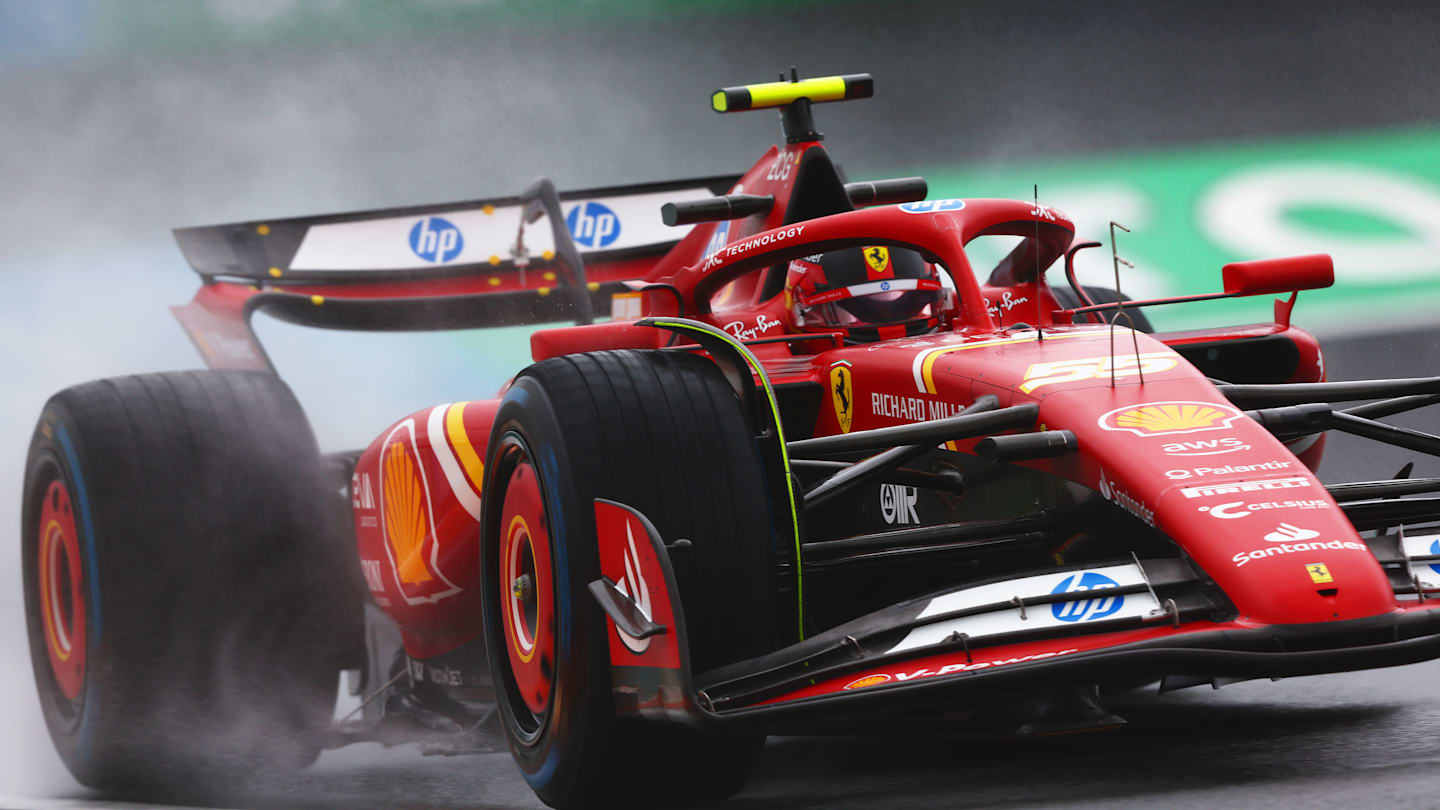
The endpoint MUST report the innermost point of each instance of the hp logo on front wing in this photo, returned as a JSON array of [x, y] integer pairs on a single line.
[[1086, 610]]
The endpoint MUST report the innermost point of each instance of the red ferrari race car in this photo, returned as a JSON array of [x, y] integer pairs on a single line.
[[811, 474]]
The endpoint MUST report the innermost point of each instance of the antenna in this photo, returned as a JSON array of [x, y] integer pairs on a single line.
[[1039, 328], [1118, 260]]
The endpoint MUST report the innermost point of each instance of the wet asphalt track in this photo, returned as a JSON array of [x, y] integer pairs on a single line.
[[1356, 739]]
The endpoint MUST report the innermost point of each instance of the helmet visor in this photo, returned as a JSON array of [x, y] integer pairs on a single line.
[[875, 303]]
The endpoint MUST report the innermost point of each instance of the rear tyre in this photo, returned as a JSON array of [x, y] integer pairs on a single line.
[[188, 598], [1103, 295], [664, 433]]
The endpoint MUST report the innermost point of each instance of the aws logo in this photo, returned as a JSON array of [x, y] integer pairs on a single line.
[[408, 520], [1168, 418]]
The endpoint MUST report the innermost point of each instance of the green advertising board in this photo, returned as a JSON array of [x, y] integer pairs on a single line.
[[1370, 200]]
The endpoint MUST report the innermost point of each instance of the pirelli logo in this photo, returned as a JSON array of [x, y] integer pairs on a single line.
[[1290, 482]]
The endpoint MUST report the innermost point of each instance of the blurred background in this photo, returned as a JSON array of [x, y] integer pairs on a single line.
[[1215, 131]]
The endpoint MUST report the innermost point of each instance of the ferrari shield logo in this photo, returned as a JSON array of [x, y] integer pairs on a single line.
[[843, 395], [878, 260], [1319, 573]]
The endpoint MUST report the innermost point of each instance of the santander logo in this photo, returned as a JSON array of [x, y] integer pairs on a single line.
[[1288, 533]]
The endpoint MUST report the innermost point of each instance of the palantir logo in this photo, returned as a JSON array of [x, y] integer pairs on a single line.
[[1086, 610], [593, 225], [436, 239]]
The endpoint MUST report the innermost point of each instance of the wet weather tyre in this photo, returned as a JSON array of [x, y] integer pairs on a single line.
[[188, 598], [1103, 295], [664, 433]]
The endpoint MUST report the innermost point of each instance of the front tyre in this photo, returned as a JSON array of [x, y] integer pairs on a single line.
[[664, 433]]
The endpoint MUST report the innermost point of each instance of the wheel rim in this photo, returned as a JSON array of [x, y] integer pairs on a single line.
[[61, 591], [527, 594]]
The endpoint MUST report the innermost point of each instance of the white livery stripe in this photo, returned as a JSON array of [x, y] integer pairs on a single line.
[[1421, 545], [1073, 613], [435, 427], [384, 243]]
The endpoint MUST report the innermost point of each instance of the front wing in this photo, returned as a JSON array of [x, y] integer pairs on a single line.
[[1131, 621]]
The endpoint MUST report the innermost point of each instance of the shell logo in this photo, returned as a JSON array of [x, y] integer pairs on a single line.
[[1167, 418], [408, 519], [868, 680], [405, 519]]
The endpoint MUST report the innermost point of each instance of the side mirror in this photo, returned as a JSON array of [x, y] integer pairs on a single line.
[[1267, 276]]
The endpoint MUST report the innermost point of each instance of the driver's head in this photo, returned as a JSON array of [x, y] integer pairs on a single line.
[[870, 293]]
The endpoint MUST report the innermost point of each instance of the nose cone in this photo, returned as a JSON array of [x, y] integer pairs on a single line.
[[1279, 547], [1232, 497]]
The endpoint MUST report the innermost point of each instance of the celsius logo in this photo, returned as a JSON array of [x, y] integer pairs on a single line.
[[1086, 610], [436, 240], [932, 206], [1224, 510], [1239, 509], [593, 225]]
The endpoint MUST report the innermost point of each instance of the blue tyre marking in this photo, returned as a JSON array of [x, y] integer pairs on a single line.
[[92, 576], [562, 595]]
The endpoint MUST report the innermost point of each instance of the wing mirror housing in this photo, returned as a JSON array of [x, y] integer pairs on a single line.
[[1267, 276]]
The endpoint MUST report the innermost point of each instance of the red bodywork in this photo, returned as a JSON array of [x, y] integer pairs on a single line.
[[1157, 438]]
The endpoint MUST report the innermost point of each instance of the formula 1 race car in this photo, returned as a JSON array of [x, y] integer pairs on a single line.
[[812, 474]]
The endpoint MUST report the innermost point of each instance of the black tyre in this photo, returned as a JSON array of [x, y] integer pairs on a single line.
[[187, 593], [664, 433], [1103, 295]]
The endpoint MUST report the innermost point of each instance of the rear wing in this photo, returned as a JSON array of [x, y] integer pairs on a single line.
[[443, 241], [538, 257]]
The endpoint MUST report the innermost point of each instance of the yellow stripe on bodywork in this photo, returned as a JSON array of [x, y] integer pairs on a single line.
[[464, 450], [927, 364], [784, 454]]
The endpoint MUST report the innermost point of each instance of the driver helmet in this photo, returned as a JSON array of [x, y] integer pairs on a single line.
[[868, 294]]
